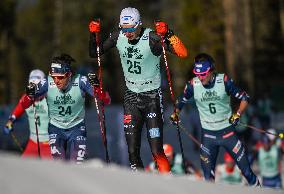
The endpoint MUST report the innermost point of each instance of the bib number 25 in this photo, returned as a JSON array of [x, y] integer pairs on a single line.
[[134, 67]]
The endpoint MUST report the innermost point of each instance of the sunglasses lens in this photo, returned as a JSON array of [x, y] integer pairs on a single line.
[[202, 75], [58, 77], [124, 30]]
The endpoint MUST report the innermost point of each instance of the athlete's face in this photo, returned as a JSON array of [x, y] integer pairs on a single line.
[[61, 81], [131, 31], [205, 78]]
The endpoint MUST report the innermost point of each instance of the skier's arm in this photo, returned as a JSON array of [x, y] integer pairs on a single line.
[[236, 92], [86, 87], [19, 109], [185, 96], [172, 43], [181, 100], [34, 91], [17, 112], [109, 43]]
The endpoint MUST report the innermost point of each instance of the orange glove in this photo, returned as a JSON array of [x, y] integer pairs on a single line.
[[161, 28], [95, 26]]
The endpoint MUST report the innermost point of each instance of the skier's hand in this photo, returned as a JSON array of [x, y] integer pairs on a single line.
[[175, 117], [93, 79], [95, 26], [161, 28], [8, 127], [235, 118], [31, 90]]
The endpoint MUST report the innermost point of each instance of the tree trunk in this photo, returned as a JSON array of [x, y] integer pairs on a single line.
[[58, 15], [238, 41], [230, 23]]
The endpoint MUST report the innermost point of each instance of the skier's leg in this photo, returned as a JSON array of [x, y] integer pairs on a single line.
[[237, 150], [45, 150], [208, 161], [76, 143], [154, 123], [133, 123], [57, 142], [30, 150]]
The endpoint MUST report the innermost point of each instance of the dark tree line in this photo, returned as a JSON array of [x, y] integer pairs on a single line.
[[244, 36]]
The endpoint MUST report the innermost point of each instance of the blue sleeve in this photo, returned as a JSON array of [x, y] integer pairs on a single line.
[[233, 90], [85, 86], [42, 88], [185, 96]]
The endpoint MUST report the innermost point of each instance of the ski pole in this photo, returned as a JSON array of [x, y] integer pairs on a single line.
[[16, 141], [103, 130], [202, 147], [172, 96], [101, 108], [280, 135], [36, 126]]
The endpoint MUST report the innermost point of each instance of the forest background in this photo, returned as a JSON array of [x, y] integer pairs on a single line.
[[244, 36]]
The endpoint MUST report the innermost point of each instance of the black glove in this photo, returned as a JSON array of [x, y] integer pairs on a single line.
[[169, 34], [93, 79], [31, 89]]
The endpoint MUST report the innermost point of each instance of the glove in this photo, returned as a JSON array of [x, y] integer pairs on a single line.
[[161, 28], [8, 127], [31, 90], [175, 117], [103, 96], [235, 118], [93, 79], [95, 26]]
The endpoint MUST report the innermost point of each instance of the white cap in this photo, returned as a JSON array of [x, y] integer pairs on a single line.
[[36, 76], [130, 16], [270, 136]]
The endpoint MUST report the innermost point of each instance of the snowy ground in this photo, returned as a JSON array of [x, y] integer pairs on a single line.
[[35, 176]]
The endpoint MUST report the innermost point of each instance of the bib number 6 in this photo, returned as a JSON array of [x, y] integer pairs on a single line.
[[212, 108]]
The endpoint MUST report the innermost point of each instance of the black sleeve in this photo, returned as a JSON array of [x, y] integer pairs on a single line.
[[156, 45], [109, 43]]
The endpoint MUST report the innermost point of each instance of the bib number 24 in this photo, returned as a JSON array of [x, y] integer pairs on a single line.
[[64, 110]]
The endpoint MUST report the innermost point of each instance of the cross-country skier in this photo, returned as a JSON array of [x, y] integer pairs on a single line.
[[228, 172], [65, 93], [31, 149], [140, 49], [211, 92], [269, 157]]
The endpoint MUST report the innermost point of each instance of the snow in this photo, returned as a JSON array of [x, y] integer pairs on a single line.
[[42, 176]]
